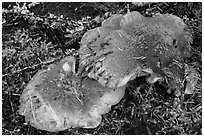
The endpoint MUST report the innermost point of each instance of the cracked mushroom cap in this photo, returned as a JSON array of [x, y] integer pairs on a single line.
[[57, 99], [125, 46]]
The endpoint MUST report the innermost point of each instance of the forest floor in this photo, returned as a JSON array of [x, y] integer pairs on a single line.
[[37, 34]]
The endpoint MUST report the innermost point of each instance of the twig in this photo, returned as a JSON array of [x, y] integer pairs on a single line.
[[30, 67], [11, 104]]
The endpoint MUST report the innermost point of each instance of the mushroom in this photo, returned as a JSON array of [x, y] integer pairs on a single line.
[[123, 48], [57, 98], [135, 46]]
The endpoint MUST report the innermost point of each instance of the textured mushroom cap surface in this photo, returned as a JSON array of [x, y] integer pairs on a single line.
[[56, 99], [126, 45]]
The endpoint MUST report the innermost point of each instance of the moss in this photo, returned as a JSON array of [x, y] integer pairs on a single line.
[[21, 63]]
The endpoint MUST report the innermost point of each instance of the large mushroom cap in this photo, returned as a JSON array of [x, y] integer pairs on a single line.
[[125, 45], [57, 99]]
